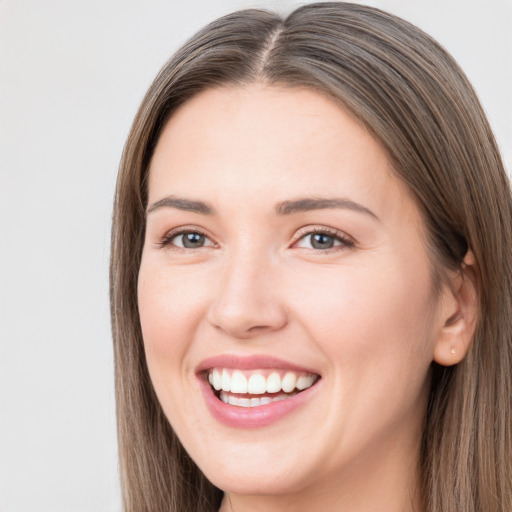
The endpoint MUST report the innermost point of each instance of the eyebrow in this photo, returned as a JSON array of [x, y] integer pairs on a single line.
[[283, 208], [307, 204], [180, 203]]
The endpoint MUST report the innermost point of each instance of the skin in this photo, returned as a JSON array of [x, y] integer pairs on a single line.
[[362, 314]]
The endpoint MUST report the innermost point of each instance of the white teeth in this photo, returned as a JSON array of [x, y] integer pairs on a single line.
[[251, 402], [273, 383], [289, 381], [217, 379], [305, 381], [244, 402], [238, 382], [226, 381], [255, 383]]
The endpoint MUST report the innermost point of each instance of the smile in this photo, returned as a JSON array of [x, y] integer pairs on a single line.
[[255, 391], [259, 387]]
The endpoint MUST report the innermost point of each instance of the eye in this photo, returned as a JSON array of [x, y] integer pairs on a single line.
[[323, 239], [186, 240]]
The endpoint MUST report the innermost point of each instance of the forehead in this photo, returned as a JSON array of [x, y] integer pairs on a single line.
[[261, 143]]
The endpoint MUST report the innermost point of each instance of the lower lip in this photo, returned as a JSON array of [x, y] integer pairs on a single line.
[[252, 417]]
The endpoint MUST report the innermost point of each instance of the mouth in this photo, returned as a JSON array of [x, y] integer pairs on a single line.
[[255, 391], [258, 387]]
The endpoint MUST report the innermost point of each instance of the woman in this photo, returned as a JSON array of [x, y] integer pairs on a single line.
[[311, 275]]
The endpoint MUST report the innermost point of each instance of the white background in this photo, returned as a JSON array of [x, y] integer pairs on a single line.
[[72, 74]]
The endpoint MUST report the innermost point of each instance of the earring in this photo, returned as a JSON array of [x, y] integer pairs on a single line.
[[452, 351]]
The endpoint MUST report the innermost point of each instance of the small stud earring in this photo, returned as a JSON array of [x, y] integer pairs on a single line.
[[452, 351]]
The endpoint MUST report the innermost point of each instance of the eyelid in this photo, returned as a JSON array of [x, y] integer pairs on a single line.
[[166, 239], [346, 240]]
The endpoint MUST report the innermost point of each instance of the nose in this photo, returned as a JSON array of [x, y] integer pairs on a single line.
[[247, 302]]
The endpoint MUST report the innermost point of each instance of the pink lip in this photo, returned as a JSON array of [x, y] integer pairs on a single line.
[[254, 362], [250, 417]]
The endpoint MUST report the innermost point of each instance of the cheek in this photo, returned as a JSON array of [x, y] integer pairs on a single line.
[[369, 314], [170, 308], [372, 324]]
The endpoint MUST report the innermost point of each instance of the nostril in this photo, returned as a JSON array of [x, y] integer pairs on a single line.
[[247, 318], [258, 328]]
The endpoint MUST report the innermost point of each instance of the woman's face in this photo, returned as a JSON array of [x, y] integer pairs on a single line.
[[283, 261]]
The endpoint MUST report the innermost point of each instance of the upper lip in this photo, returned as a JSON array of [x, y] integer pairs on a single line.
[[253, 362]]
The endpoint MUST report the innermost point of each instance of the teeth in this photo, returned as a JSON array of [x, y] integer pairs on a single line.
[[238, 382], [273, 383], [255, 382], [289, 381], [226, 381], [251, 402], [217, 380], [305, 381]]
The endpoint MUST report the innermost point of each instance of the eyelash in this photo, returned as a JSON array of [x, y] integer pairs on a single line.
[[168, 237], [345, 241]]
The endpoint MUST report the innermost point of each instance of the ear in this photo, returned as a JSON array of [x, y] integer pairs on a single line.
[[459, 309]]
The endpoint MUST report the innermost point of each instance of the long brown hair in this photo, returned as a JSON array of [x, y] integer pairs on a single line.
[[415, 100]]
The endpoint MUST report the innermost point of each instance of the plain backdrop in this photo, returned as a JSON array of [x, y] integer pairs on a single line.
[[72, 74]]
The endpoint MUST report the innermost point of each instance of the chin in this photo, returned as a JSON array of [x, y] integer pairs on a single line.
[[250, 480]]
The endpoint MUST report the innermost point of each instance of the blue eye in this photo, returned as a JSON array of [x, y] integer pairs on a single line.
[[187, 240], [321, 240]]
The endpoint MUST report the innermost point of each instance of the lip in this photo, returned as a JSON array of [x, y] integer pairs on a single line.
[[254, 362], [251, 417]]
